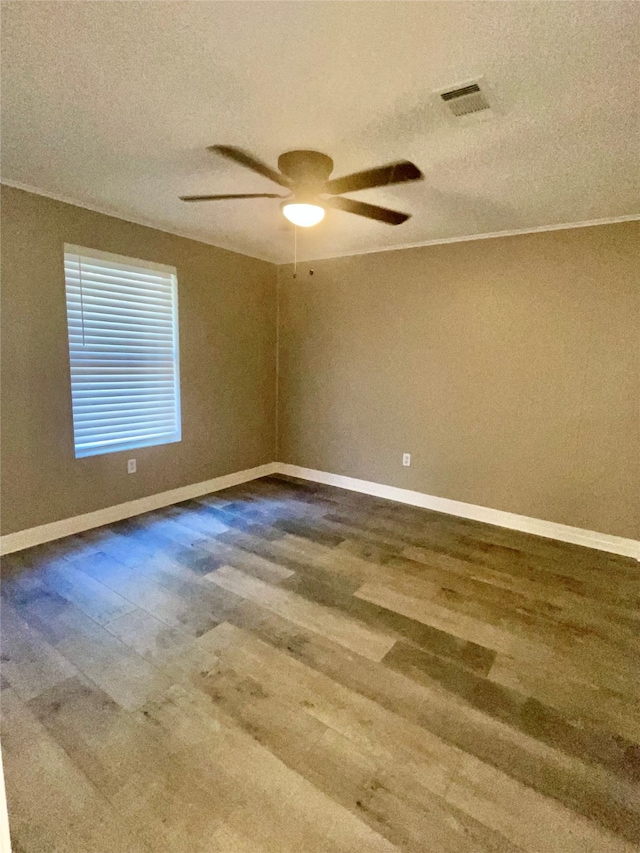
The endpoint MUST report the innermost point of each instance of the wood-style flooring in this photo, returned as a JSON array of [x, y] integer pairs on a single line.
[[294, 668]]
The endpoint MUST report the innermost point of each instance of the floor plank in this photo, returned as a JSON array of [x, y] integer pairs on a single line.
[[348, 633]]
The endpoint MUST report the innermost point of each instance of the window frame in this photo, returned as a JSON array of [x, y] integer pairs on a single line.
[[145, 266]]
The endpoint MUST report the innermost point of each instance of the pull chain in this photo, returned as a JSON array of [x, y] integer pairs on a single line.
[[295, 251]]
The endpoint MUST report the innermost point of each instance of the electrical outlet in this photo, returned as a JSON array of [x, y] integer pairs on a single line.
[[131, 466], [406, 459]]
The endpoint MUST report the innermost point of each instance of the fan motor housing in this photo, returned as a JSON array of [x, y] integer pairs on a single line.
[[309, 167]]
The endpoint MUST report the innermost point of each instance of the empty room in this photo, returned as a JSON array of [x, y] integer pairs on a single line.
[[320, 427]]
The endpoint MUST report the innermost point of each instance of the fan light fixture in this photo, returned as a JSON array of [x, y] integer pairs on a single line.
[[304, 215]]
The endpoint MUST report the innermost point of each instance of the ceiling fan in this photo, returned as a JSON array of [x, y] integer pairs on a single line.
[[306, 175]]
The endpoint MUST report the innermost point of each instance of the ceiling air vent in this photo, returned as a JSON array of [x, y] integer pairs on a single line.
[[465, 100]]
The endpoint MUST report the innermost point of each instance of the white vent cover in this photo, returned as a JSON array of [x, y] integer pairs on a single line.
[[465, 100]]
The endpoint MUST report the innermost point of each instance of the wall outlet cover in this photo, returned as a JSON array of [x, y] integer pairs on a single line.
[[131, 466]]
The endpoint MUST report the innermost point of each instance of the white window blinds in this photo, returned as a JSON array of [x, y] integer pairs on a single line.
[[123, 345]]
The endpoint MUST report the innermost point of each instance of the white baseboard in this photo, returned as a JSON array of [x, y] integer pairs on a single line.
[[68, 526], [548, 529]]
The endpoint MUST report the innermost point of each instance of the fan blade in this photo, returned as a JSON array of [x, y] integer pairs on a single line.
[[371, 211], [219, 197], [394, 173], [244, 159]]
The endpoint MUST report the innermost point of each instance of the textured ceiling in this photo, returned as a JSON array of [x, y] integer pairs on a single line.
[[112, 105]]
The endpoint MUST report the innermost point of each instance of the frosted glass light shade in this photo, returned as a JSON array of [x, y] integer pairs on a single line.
[[304, 215]]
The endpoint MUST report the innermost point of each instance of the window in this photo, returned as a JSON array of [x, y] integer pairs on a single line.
[[122, 316]]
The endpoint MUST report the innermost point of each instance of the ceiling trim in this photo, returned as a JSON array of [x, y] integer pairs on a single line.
[[146, 223], [537, 229]]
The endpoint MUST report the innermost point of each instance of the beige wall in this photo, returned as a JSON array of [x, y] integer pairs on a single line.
[[508, 368], [227, 365]]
